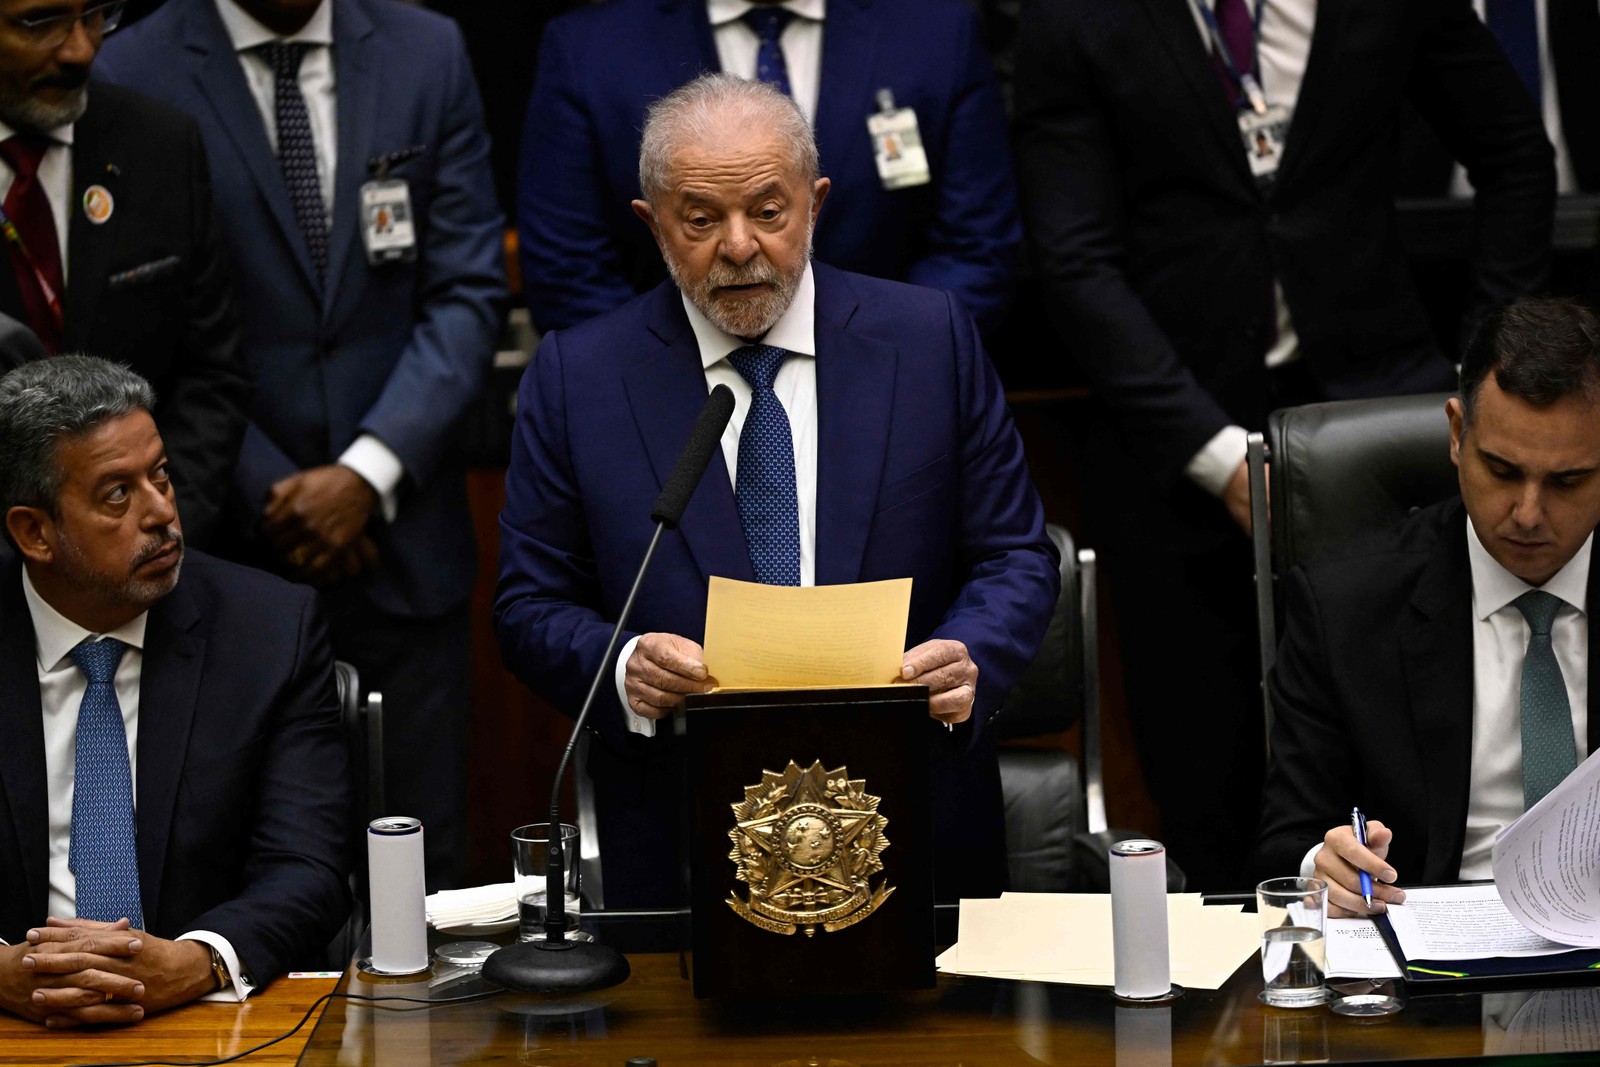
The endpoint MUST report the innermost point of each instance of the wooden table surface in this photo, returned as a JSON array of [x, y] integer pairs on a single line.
[[199, 1031], [964, 1021]]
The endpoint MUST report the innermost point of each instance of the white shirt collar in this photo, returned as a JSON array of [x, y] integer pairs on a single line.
[[722, 12], [795, 331], [246, 33], [1494, 587], [55, 635], [61, 134]]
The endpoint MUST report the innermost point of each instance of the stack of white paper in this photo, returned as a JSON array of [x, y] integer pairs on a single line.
[[466, 907], [1357, 950], [1066, 937]]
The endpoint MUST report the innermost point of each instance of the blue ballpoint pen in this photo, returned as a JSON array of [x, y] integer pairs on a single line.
[[1358, 823]]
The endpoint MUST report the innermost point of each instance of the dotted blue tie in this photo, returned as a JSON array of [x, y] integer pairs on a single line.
[[769, 22], [297, 153], [103, 853], [765, 492], [1549, 752]]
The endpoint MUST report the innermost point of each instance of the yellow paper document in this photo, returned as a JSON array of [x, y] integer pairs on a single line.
[[794, 637]]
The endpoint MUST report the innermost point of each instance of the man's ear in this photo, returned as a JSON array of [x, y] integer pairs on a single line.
[[33, 532], [1457, 414], [647, 214], [819, 193]]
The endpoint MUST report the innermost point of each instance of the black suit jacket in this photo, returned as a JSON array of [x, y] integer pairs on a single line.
[[149, 287], [242, 785], [1157, 251], [1373, 698]]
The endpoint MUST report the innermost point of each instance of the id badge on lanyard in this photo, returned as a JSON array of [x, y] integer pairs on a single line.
[[1263, 127]]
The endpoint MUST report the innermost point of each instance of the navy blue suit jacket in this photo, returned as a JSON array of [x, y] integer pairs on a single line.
[[584, 252], [242, 779], [920, 474], [398, 350]]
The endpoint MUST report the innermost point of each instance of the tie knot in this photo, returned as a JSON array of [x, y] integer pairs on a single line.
[[758, 364], [768, 21], [1539, 608], [284, 57], [98, 659], [23, 152]]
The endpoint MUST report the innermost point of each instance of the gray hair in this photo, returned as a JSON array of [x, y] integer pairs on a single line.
[[44, 402], [693, 111]]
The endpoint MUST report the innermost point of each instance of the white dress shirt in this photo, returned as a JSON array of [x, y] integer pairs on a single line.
[[61, 690], [1499, 643], [367, 455], [1549, 110], [801, 42], [796, 387], [54, 176], [1286, 29]]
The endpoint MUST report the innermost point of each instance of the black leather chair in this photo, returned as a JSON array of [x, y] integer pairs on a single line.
[[1339, 470], [1056, 831], [362, 718]]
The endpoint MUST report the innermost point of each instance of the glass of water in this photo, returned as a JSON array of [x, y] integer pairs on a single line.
[[530, 850], [1294, 921]]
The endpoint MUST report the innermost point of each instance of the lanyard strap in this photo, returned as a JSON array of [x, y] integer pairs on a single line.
[[1246, 80], [14, 237]]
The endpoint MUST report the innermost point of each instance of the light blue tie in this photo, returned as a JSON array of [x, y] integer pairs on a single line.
[[769, 22], [1549, 752], [103, 854], [765, 487]]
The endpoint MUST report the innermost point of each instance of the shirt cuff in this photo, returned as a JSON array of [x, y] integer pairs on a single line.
[[636, 723], [380, 468], [1308, 865], [1212, 467], [240, 986]]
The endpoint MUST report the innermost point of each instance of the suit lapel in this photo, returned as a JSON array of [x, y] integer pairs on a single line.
[[168, 686], [219, 82], [90, 245], [1435, 642], [845, 95], [855, 398], [666, 390], [22, 773], [1321, 80], [684, 41], [1594, 651], [1174, 25], [357, 72]]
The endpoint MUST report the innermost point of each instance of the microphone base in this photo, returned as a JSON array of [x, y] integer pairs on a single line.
[[561, 967]]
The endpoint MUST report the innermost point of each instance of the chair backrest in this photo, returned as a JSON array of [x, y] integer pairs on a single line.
[[1050, 694], [1339, 470]]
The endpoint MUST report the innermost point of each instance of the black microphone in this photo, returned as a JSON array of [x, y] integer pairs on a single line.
[[695, 457], [556, 965]]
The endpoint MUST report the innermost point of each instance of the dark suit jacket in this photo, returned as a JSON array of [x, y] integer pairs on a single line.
[[242, 785], [1373, 698], [1157, 252], [149, 287], [584, 252], [920, 473], [399, 350]]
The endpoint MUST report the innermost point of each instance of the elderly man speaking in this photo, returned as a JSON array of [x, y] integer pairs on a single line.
[[870, 440]]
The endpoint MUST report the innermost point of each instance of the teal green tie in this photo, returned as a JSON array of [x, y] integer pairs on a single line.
[[1549, 752]]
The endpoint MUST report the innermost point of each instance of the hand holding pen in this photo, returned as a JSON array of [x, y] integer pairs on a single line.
[[1360, 879]]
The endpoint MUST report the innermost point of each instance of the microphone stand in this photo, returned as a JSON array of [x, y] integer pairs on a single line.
[[557, 965]]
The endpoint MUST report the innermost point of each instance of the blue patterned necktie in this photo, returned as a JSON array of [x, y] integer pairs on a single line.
[[103, 853], [765, 489], [297, 152], [769, 22], [1549, 752]]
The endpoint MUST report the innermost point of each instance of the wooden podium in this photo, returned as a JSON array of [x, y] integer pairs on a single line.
[[810, 841]]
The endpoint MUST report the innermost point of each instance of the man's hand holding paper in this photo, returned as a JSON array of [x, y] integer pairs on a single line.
[[663, 669], [950, 675]]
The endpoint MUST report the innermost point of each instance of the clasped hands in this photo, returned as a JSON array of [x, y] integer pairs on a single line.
[[1339, 863], [664, 668], [316, 520], [76, 972]]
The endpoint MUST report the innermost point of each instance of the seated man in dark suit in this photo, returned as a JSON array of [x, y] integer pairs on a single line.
[[173, 785], [870, 440], [1437, 676]]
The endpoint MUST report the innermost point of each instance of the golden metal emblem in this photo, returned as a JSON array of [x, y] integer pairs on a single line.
[[807, 842]]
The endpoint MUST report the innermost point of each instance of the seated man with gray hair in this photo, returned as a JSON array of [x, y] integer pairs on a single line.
[[173, 792], [870, 440]]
